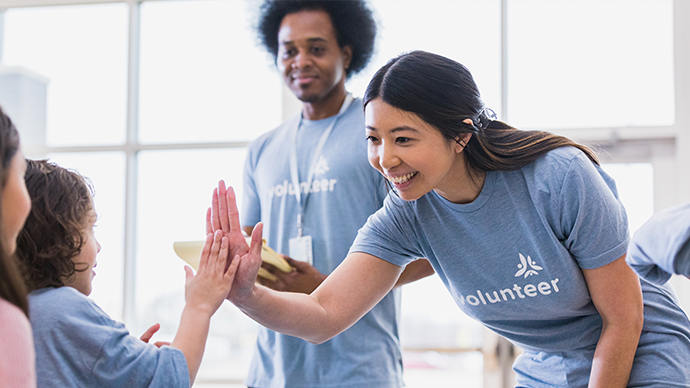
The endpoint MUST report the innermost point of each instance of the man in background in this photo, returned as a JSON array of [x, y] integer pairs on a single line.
[[310, 183]]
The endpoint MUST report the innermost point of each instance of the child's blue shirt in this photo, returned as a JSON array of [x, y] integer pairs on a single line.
[[79, 345]]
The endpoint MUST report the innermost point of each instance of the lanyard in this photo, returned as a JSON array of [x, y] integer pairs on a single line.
[[294, 173]]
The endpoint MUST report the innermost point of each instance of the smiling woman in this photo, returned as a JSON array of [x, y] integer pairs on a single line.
[[473, 191], [415, 157]]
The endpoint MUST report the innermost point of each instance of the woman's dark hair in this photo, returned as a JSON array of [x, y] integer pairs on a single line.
[[353, 22], [12, 287], [61, 206], [443, 93]]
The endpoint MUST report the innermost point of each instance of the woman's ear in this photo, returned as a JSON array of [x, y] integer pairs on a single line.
[[461, 142]]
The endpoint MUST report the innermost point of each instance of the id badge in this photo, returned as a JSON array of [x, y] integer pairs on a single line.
[[300, 249]]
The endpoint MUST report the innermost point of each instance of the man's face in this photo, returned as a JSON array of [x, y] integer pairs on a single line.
[[309, 57]]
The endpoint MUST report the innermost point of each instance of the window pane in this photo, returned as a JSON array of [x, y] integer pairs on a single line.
[[203, 77], [82, 52], [174, 192], [635, 183], [590, 63], [106, 171], [432, 326], [465, 31]]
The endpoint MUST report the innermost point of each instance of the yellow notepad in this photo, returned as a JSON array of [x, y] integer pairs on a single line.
[[190, 252]]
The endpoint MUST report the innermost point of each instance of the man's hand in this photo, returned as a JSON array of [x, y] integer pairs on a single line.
[[304, 279]]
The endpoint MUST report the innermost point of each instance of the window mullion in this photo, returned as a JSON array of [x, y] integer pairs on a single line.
[[132, 151]]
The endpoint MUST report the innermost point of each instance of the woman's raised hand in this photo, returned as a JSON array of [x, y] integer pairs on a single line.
[[223, 216]]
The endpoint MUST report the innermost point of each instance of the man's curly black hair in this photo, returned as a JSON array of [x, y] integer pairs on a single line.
[[352, 19]]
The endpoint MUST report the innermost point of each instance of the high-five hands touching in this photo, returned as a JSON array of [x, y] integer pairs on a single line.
[[223, 216]]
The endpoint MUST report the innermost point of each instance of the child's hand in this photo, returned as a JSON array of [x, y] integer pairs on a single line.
[[206, 290], [146, 337]]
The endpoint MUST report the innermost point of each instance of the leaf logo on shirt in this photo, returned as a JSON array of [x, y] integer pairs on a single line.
[[524, 264], [321, 166]]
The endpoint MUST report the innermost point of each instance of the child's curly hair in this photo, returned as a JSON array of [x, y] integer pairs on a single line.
[[61, 206]]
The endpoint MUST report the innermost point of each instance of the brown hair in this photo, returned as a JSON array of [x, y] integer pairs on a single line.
[[61, 206], [12, 287], [443, 93]]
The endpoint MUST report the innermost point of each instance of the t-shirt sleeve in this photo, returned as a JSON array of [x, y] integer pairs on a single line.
[[661, 247], [251, 205], [118, 359], [388, 234], [593, 219], [130, 362]]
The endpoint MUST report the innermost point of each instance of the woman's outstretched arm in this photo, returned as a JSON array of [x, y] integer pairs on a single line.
[[353, 289]]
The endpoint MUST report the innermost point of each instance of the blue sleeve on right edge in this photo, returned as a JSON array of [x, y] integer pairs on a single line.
[[661, 247]]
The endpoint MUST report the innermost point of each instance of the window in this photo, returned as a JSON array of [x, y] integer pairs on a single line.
[[203, 76], [82, 53], [590, 63]]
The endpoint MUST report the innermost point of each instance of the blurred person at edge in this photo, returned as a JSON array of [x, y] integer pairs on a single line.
[[17, 356], [661, 247]]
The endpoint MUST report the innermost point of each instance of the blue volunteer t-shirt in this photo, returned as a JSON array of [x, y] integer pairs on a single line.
[[345, 191], [512, 259], [79, 345], [661, 247]]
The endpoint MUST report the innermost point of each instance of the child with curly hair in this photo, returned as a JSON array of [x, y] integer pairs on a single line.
[[77, 343]]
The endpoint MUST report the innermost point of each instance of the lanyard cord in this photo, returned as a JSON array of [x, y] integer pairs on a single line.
[[294, 173]]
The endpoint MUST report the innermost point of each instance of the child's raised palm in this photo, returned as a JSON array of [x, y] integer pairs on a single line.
[[209, 287]]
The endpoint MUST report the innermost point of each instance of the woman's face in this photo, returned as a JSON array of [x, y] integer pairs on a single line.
[[410, 153], [16, 203], [85, 261]]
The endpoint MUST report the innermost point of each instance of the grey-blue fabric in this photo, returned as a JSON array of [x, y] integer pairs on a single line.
[[661, 247], [79, 345], [513, 260], [344, 192]]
